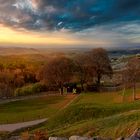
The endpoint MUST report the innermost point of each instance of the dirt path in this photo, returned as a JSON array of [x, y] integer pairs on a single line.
[[72, 98], [17, 126]]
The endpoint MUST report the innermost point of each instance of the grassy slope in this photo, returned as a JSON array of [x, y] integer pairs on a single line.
[[113, 126], [31, 109], [96, 114]]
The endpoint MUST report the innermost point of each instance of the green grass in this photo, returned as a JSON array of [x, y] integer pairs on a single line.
[[96, 114], [112, 126], [31, 109], [90, 114]]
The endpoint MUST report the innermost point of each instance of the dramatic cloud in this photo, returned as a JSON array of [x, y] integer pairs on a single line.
[[119, 17], [69, 14]]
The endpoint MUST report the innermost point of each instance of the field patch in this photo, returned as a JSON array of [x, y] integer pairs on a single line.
[[93, 114], [32, 109]]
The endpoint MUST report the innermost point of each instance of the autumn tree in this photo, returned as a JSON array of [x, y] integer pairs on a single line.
[[18, 80], [6, 84], [1, 67], [58, 71], [131, 74], [100, 63], [83, 69]]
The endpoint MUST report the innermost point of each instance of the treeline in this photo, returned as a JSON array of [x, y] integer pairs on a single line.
[[15, 76], [60, 71]]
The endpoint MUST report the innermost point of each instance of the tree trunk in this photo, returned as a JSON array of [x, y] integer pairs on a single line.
[[98, 82], [61, 90], [82, 86]]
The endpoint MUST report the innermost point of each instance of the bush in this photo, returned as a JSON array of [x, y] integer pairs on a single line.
[[38, 87], [31, 89]]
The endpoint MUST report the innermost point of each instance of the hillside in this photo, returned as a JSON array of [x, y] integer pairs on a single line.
[[17, 51], [32, 108], [113, 52], [97, 114]]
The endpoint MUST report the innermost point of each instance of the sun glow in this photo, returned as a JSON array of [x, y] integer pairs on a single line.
[[10, 36]]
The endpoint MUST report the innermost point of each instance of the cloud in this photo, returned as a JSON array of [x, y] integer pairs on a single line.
[[74, 14]]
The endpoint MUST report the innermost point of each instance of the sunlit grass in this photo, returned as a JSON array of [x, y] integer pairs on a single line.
[[96, 114], [90, 114], [31, 109]]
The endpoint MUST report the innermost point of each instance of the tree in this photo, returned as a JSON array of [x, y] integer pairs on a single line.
[[18, 80], [100, 64], [6, 84], [83, 69], [58, 71], [1, 67], [131, 74]]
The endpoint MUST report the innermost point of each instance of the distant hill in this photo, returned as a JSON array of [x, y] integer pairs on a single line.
[[17, 51], [121, 52], [113, 52]]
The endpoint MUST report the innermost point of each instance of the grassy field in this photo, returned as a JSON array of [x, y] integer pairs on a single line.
[[90, 114], [101, 114], [32, 109]]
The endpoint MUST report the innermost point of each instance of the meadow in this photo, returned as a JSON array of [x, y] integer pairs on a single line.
[[32, 109], [92, 114]]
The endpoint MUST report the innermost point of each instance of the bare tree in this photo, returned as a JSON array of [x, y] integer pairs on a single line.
[[58, 71], [131, 74], [100, 63]]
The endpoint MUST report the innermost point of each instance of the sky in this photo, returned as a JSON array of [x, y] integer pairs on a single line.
[[70, 23]]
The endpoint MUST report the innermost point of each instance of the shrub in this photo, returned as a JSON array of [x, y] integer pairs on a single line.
[[38, 87], [31, 89]]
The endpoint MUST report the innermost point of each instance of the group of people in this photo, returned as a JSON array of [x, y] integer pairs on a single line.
[[74, 90]]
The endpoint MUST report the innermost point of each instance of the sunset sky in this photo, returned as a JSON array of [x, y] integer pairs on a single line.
[[43, 23]]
